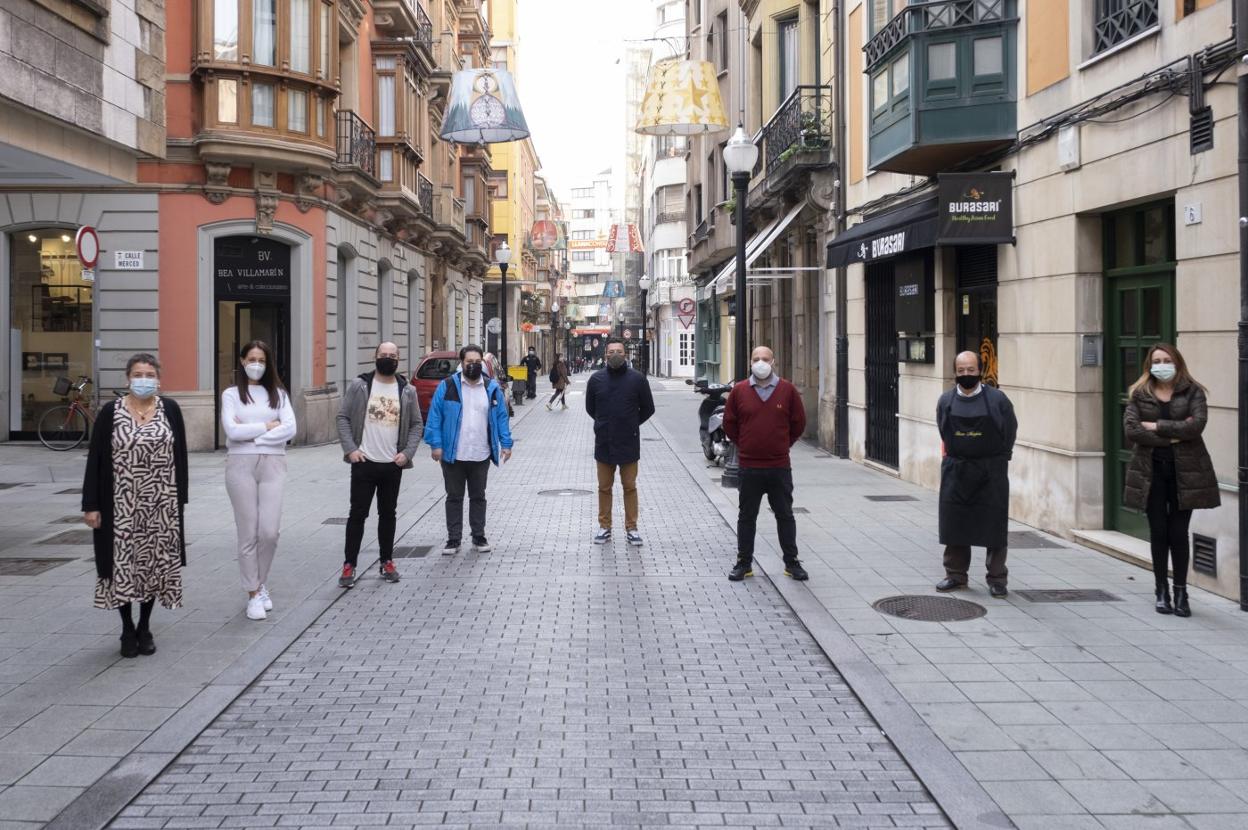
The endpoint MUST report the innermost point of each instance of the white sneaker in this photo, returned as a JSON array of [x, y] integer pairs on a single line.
[[263, 593], [255, 608]]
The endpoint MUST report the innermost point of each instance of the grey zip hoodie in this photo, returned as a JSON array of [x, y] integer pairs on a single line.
[[354, 409]]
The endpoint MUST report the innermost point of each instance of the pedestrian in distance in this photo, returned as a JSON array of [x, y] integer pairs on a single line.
[[379, 427], [468, 429], [619, 400], [134, 493], [1170, 473], [258, 420], [559, 380], [977, 430], [532, 365], [765, 418]]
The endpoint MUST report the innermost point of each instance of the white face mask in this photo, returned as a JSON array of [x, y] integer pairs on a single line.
[[255, 371], [1164, 372], [761, 369]]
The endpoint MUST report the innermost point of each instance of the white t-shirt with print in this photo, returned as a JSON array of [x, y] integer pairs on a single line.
[[381, 422]]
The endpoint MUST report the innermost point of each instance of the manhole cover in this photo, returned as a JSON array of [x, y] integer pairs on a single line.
[[69, 537], [566, 491], [1027, 540], [1069, 595], [890, 498], [29, 567], [929, 609], [412, 552], [334, 521], [72, 491]]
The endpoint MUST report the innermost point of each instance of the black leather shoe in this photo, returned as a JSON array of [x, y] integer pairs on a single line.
[[1181, 607], [998, 590], [147, 643], [129, 644], [949, 584], [794, 570], [1163, 605], [743, 568]]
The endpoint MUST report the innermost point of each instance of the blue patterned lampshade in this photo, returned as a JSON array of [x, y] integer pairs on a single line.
[[483, 108]]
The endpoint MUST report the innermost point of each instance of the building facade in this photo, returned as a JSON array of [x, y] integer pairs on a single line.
[[1106, 130], [595, 305]]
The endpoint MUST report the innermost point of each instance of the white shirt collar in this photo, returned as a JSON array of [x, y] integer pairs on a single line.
[[964, 394]]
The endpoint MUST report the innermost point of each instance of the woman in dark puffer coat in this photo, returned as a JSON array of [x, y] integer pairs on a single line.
[[1170, 473]]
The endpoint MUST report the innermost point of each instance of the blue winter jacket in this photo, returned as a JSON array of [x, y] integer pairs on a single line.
[[442, 425]]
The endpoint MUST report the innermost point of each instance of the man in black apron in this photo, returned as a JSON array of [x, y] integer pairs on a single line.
[[977, 427]]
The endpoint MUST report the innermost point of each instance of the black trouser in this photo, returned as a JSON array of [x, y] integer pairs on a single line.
[[458, 476], [559, 393], [1167, 524], [777, 484], [958, 563], [530, 385], [368, 477]]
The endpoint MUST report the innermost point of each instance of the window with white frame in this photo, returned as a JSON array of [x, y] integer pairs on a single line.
[[669, 264], [686, 352]]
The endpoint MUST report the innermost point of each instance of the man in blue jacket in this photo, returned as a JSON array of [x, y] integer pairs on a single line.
[[468, 428]]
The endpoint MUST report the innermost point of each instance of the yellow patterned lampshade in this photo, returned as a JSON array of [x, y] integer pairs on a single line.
[[682, 98]]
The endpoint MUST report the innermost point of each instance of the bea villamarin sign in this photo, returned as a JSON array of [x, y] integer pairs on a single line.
[[976, 209]]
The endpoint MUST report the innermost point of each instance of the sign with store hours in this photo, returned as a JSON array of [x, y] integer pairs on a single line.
[[128, 260], [251, 268]]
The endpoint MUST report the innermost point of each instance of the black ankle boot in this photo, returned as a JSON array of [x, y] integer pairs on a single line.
[[129, 644], [1163, 600], [1181, 608]]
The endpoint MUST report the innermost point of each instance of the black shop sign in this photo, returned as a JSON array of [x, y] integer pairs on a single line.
[[251, 268], [976, 209]]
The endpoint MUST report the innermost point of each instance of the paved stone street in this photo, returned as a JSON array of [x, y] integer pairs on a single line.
[[549, 682]]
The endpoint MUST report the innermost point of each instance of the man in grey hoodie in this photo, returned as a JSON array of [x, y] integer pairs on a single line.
[[379, 426]]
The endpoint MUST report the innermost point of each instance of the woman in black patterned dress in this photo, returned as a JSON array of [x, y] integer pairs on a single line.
[[132, 497]]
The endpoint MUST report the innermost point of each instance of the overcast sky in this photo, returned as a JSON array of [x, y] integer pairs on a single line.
[[571, 82]]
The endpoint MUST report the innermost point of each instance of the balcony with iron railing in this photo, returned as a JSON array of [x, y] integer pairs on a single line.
[[798, 135], [943, 76], [355, 163], [424, 196], [404, 19], [671, 216]]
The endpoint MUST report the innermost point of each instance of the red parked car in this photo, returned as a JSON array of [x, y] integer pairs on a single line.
[[432, 370]]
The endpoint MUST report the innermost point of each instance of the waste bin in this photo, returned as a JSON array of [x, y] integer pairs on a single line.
[[517, 391]]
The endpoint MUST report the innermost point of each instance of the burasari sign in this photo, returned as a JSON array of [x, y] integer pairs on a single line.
[[976, 209]]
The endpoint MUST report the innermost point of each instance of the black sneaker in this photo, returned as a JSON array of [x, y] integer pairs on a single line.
[[743, 568], [794, 570], [480, 544], [451, 547], [998, 590]]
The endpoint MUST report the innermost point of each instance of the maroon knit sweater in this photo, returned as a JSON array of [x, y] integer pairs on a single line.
[[764, 430]]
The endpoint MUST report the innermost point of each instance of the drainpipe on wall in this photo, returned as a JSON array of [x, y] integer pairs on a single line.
[[841, 445], [1240, 11]]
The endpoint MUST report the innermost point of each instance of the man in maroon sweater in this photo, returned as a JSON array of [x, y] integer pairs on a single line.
[[764, 418]]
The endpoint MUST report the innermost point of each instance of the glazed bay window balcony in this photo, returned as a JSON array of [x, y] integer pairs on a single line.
[[449, 219], [268, 74], [400, 119], [943, 83]]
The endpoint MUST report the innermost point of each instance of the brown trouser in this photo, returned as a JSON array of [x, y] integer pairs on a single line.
[[606, 482], [958, 562]]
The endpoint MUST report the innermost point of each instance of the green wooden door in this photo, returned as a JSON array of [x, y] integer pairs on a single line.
[[1141, 314]]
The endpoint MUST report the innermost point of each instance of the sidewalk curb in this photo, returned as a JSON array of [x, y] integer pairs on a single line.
[[110, 794], [964, 801]]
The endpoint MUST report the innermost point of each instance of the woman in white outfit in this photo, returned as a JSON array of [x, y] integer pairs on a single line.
[[258, 420]]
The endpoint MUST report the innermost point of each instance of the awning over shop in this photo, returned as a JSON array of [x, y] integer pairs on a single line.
[[899, 231], [580, 330], [755, 248]]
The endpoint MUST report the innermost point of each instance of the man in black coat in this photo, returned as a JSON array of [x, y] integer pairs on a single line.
[[618, 399], [533, 364], [977, 429]]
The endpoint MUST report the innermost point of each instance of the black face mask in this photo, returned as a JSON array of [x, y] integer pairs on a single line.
[[387, 366], [472, 371], [615, 362], [968, 382]]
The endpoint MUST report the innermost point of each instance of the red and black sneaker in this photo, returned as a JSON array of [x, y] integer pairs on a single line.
[[347, 580], [388, 572]]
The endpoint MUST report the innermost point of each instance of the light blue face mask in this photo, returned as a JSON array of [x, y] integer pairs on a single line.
[[143, 388], [1164, 372]]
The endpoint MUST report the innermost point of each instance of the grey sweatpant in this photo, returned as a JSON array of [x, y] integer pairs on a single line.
[[255, 484]]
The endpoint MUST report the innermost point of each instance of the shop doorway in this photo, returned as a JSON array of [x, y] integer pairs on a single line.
[[1139, 312], [977, 306], [881, 365], [50, 324], [252, 286]]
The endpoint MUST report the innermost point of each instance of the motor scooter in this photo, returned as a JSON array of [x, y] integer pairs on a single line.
[[711, 419]]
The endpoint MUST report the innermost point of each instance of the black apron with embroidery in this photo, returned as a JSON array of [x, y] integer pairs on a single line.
[[974, 477]]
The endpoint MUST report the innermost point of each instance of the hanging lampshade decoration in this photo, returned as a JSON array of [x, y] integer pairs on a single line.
[[545, 235], [624, 239], [483, 108], [682, 98]]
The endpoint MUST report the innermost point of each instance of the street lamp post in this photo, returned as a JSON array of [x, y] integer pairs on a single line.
[[554, 332], [740, 156], [504, 257], [644, 285]]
